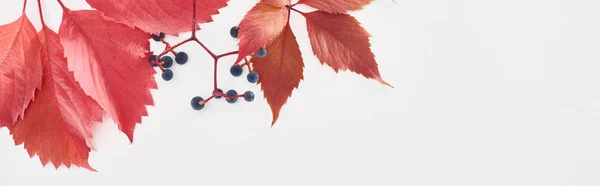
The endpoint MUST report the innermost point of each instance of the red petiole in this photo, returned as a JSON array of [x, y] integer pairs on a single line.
[[247, 64]]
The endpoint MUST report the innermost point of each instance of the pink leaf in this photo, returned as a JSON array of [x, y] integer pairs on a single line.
[[109, 59], [339, 41], [280, 71], [58, 123], [21, 71]]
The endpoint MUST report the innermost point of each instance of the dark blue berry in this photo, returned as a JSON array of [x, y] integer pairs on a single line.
[[155, 37], [151, 60], [167, 75], [196, 103], [236, 70], [219, 91], [181, 58], [262, 52], [249, 96], [232, 96], [252, 77], [234, 31], [168, 61], [158, 37]]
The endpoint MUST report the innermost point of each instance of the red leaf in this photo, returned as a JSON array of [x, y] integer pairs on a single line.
[[260, 25], [154, 16], [280, 71], [336, 6], [110, 61], [58, 123], [21, 71], [339, 41], [277, 3]]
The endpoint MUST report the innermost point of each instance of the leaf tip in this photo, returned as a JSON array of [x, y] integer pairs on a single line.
[[380, 80], [88, 167], [387, 84], [129, 135], [274, 121]]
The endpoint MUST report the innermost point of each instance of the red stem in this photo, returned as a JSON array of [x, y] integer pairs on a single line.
[[168, 46], [41, 14], [159, 64], [24, 6], [215, 94], [170, 49], [295, 10], [221, 94], [207, 99], [228, 54], [62, 5], [215, 75], [248, 64], [205, 48], [195, 24]]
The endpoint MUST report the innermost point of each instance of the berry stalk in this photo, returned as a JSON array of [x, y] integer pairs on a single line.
[[164, 62], [247, 64]]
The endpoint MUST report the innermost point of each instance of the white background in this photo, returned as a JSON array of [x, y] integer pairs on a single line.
[[487, 93]]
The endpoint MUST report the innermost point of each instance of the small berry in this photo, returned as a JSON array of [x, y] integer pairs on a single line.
[[155, 37], [181, 58], [151, 60], [196, 103], [249, 96], [168, 61], [236, 70], [234, 31], [262, 52], [252, 77], [232, 96], [220, 91], [158, 37], [167, 75]]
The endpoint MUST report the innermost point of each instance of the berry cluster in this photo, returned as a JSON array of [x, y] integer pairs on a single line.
[[164, 62]]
